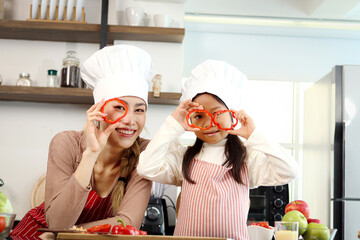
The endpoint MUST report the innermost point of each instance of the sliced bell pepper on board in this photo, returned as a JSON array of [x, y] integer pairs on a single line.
[[105, 228]]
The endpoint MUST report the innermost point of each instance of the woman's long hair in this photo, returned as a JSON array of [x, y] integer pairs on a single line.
[[235, 153], [129, 159]]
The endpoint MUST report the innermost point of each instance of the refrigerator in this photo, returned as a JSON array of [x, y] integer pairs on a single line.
[[331, 150]]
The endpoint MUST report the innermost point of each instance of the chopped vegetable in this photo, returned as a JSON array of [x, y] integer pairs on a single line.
[[261, 224], [105, 228]]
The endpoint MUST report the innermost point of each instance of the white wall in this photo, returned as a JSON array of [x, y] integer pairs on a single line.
[[271, 53]]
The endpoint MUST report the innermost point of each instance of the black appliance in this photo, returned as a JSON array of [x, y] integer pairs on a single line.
[[268, 203], [155, 220]]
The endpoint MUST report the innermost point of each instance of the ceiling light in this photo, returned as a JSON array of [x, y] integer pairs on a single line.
[[301, 23]]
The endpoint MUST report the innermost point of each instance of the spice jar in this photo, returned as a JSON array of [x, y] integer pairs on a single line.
[[70, 72], [52, 78], [24, 80]]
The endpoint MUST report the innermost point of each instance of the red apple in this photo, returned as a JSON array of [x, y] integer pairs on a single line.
[[314, 220], [300, 206]]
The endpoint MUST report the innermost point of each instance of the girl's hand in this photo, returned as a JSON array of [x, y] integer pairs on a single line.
[[96, 138], [247, 125], [182, 110]]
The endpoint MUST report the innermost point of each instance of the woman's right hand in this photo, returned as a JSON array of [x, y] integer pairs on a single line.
[[182, 110], [96, 138]]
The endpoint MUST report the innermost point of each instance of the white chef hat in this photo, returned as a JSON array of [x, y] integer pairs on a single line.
[[218, 78], [117, 71]]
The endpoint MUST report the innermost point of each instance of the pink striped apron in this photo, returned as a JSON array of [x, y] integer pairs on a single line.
[[216, 206], [96, 208]]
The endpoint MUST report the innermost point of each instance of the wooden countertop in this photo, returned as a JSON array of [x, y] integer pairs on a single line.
[[76, 236]]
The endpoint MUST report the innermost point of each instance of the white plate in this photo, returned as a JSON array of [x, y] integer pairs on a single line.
[[79, 6], [35, 8], [52, 9], [61, 9], [70, 8], [44, 5]]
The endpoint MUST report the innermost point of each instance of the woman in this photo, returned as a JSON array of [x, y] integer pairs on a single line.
[[91, 176]]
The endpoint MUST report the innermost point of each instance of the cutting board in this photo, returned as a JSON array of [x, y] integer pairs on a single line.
[[76, 236]]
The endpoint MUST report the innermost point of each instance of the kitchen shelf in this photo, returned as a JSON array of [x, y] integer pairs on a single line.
[[138, 33], [50, 31], [69, 95], [86, 33]]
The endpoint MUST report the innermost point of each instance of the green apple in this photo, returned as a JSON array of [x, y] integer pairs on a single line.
[[316, 231], [296, 216]]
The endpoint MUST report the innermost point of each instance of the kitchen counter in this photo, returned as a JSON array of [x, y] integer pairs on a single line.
[[76, 236]]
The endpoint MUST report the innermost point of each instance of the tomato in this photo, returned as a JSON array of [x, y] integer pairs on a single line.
[[2, 224], [105, 228]]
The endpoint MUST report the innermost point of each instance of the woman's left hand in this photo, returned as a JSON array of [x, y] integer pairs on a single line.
[[247, 125]]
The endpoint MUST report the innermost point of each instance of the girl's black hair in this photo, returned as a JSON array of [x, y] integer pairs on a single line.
[[235, 153]]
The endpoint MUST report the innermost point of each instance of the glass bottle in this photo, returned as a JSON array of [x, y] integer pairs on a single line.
[[52, 78], [24, 80], [70, 72]]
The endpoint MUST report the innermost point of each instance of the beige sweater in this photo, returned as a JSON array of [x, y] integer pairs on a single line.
[[65, 198]]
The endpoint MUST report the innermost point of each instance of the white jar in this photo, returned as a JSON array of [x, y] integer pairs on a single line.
[[52, 78], [24, 80]]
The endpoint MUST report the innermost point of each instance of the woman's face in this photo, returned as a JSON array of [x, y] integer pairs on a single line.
[[212, 135], [130, 126]]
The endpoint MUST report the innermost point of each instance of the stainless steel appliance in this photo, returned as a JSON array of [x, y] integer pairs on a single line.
[[331, 150], [268, 203]]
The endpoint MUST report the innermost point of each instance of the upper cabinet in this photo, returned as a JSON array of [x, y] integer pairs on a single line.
[[86, 33]]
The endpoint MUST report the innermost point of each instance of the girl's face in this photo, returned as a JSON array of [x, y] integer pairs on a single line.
[[212, 135], [130, 126]]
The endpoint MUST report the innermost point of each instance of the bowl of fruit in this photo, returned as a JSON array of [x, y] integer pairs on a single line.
[[6, 224], [309, 228], [318, 232]]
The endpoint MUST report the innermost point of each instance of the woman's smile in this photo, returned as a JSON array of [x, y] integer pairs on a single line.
[[126, 132]]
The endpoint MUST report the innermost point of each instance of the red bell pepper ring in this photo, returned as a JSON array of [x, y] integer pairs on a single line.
[[105, 228]]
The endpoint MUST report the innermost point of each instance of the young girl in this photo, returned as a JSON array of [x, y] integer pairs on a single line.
[[217, 171]]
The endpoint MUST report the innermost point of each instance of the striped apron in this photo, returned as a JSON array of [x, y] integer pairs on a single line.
[[216, 206], [96, 208]]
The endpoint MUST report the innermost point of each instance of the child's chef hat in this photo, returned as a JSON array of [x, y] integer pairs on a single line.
[[117, 71], [218, 78]]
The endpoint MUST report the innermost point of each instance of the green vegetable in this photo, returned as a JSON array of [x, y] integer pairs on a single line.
[[5, 205]]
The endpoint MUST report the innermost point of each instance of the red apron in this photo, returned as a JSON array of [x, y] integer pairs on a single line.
[[216, 206], [96, 208]]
